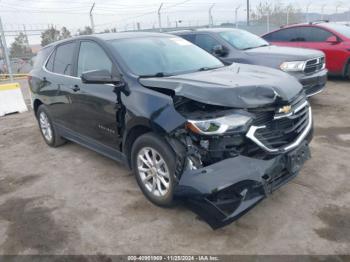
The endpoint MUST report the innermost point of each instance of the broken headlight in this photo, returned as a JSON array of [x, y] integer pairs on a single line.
[[294, 66], [238, 122]]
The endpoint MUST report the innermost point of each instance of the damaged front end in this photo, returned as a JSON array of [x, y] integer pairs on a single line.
[[240, 141], [233, 159]]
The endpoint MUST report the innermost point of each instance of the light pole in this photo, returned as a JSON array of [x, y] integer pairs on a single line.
[[4, 45], [160, 18], [248, 11], [322, 11], [288, 11], [211, 22], [336, 9], [307, 12], [236, 15], [92, 19]]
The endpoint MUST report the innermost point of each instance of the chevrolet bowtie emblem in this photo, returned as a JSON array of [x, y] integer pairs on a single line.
[[285, 109]]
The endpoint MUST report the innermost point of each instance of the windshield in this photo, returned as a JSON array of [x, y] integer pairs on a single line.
[[162, 56], [341, 29], [243, 40]]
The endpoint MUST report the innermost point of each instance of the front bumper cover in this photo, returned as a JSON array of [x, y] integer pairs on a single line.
[[223, 192], [314, 83]]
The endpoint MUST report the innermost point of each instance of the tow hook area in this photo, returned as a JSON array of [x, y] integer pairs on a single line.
[[223, 192]]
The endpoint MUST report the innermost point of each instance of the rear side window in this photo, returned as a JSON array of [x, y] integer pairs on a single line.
[[206, 42], [49, 65], [63, 59], [92, 57], [313, 34], [191, 38], [41, 57]]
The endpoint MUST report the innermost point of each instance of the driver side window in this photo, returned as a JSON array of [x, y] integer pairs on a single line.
[[206, 42], [92, 57]]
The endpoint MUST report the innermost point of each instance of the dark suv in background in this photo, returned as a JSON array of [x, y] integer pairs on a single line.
[[239, 46], [220, 138], [331, 38]]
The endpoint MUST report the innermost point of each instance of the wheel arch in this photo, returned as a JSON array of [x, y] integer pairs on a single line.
[[36, 103], [135, 130], [346, 71]]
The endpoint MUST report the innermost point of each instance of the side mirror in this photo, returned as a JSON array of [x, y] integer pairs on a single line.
[[332, 40], [219, 50], [99, 77]]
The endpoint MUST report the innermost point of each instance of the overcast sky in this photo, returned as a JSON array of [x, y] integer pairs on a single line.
[[124, 14]]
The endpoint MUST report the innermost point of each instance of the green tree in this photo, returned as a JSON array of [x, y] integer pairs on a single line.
[[49, 36], [86, 31], [65, 33], [52, 34], [278, 13], [20, 48]]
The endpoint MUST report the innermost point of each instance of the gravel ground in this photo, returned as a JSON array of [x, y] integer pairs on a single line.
[[71, 200]]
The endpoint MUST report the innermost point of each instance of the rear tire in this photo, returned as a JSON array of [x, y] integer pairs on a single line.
[[153, 163], [48, 130]]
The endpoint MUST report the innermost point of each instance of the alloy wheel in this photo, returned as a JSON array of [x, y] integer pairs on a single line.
[[153, 171], [45, 126]]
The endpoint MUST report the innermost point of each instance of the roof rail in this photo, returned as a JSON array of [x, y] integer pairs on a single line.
[[283, 26], [181, 30], [318, 21]]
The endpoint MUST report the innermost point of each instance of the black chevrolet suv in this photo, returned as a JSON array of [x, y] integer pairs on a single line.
[[239, 46], [217, 138]]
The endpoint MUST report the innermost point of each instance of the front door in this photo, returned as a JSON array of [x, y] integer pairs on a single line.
[[316, 38], [95, 105]]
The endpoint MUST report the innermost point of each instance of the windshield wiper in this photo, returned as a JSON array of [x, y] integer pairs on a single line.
[[253, 47], [159, 74], [206, 68]]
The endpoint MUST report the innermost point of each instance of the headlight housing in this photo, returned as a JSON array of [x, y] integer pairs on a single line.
[[293, 66], [237, 122]]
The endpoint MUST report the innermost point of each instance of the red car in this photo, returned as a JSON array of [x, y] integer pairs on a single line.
[[331, 38]]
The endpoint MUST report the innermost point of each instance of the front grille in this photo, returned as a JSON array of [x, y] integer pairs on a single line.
[[277, 130], [283, 131], [314, 65]]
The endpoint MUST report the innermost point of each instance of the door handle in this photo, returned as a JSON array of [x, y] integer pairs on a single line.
[[76, 88]]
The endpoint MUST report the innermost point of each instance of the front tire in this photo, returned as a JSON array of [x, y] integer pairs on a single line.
[[48, 130], [153, 163]]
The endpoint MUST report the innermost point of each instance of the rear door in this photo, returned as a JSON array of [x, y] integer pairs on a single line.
[[96, 106], [59, 76]]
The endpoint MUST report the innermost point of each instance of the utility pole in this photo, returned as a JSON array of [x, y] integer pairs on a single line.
[[336, 10], [168, 21], [322, 11], [236, 15], [92, 19], [248, 13], [6, 52], [211, 22], [160, 17]]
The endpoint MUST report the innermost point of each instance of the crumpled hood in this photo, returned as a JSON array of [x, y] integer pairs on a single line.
[[286, 53], [238, 86]]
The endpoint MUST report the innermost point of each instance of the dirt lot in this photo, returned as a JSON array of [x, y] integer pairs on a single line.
[[71, 200]]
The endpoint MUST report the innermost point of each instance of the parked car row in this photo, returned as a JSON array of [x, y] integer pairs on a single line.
[[218, 136], [331, 38]]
